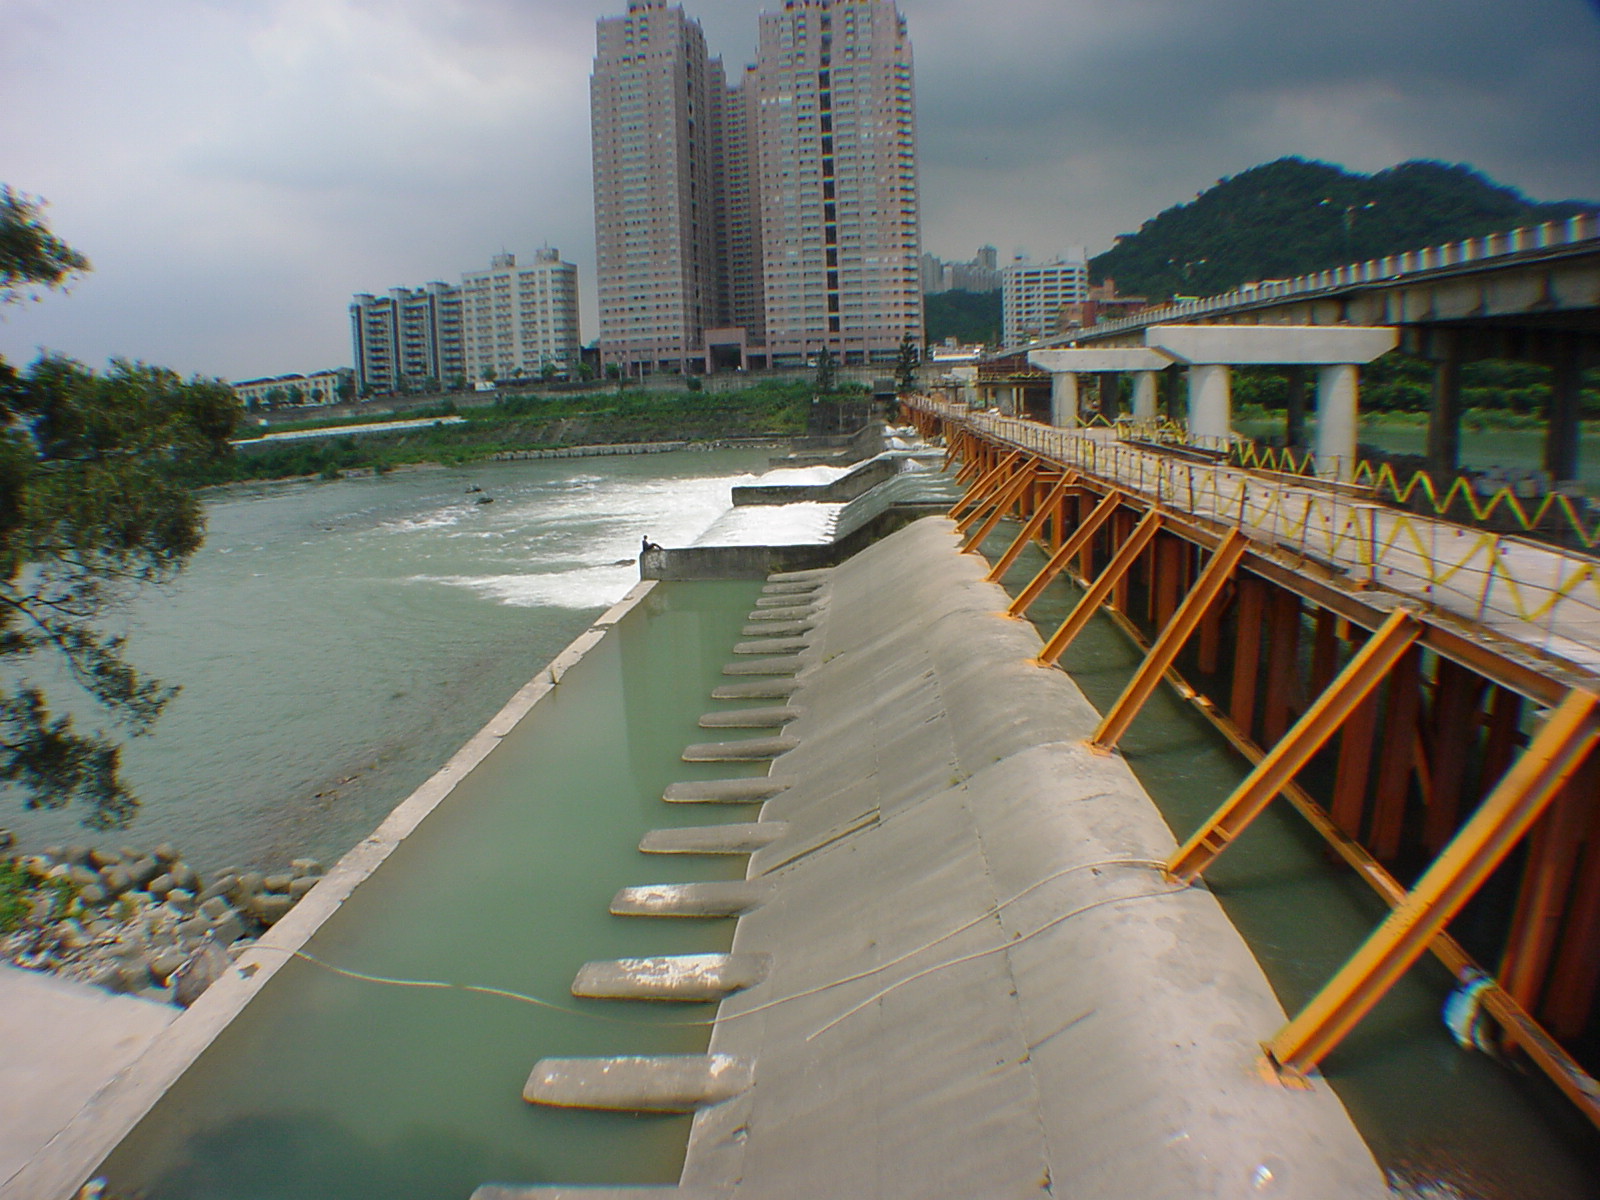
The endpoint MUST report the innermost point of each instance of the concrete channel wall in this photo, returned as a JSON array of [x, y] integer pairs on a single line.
[[980, 983]]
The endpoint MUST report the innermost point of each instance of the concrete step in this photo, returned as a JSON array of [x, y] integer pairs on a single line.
[[760, 689], [777, 628], [782, 602], [809, 575], [792, 589], [748, 750], [790, 613], [673, 1083], [788, 664], [719, 899], [749, 718], [743, 838], [687, 977], [725, 791], [773, 645]]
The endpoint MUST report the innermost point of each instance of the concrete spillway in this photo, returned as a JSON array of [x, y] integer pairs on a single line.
[[978, 982]]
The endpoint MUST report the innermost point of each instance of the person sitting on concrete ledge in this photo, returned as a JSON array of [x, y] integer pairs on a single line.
[[648, 546]]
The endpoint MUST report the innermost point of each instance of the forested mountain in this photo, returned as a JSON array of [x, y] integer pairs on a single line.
[[1294, 216], [972, 318]]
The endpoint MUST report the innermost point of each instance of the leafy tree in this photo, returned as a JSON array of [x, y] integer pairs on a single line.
[[90, 508], [905, 368], [827, 377]]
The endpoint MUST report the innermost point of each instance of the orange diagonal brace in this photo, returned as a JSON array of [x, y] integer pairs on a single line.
[[953, 438], [1472, 855], [987, 483], [1101, 587], [1000, 492], [1031, 529], [1184, 622], [1080, 537], [1311, 732], [1008, 497]]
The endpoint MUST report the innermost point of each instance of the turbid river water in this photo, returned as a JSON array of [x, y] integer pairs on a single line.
[[337, 641]]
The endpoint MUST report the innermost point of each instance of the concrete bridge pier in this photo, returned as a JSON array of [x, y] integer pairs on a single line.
[[1109, 365], [1064, 399], [1444, 419], [1212, 350], [1566, 406], [1144, 395], [1210, 402]]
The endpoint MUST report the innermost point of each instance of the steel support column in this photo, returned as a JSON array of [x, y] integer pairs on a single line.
[[1355, 683], [1100, 588], [1200, 598], [1031, 529], [1086, 529], [1554, 754]]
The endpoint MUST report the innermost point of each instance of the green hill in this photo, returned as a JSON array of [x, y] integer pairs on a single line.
[[972, 318], [1294, 216]]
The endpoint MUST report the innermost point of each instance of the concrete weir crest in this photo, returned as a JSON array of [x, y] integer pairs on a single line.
[[974, 979]]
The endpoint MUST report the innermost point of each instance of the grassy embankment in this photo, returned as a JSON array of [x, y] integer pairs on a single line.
[[534, 422]]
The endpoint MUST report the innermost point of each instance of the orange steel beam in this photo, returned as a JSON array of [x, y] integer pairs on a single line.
[[1031, 530], [1100, 588], [1183, 624], [1352, 685], [1003, 503], [979, 492], [1086, 529], [1472, 855], [1519, 1027]]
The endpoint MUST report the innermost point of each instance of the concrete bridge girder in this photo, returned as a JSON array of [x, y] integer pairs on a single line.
[[1210, 351]]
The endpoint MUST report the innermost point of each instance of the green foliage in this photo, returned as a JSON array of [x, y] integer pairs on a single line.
[[827, 377], [1292, 217], [529, 422], [15, 895], [29, 252], [972, 318], [905, 367], [89, 507]]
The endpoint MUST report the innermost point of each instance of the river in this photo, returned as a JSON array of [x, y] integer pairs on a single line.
[[336, 641]]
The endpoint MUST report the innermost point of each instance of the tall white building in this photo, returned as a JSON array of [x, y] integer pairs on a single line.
[[520, 321], [764, 222], [1032, 295]]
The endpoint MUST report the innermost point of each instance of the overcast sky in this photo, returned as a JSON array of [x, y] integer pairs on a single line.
[[235, 169]]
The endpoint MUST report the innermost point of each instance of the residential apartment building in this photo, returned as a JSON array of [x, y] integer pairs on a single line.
[[319, 387], [502, 323], [756, 225], [408, 340], [520, 321], [1037, 298], [656, 99], [981, 274]]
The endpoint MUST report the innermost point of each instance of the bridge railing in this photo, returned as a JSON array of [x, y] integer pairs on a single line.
[[1536, 594]]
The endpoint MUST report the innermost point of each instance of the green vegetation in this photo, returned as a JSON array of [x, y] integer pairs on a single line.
[[89, 506], [531, 422], [1495, 394], [14, 895], [972, 318], [1292, 217]]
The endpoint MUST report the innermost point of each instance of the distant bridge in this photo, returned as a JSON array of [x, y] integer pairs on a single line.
[[1530, 294]]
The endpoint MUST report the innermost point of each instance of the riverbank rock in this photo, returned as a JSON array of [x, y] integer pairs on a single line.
[[143, 923]]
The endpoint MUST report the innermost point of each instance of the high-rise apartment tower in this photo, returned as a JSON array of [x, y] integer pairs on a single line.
[[778, 217]]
